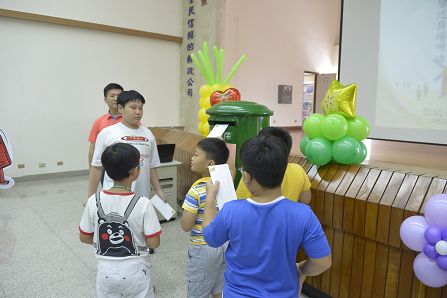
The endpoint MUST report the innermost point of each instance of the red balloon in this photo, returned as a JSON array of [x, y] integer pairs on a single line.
[[230, 94]]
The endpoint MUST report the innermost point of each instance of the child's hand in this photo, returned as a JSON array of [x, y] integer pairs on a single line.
[[211, 189], [162, 196]]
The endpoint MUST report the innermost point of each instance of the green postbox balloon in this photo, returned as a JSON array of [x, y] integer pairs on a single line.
[[346, 150], [303, 143], [318, 151], [358, 128], [362, 154], [312, 125], [334, 127]]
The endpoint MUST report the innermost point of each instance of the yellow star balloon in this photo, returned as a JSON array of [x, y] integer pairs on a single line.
[[340, 99]]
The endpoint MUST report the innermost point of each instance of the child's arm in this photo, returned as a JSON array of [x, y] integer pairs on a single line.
[[155, 182], [91, 149], [312, 267], [93, 179], [87, 239], [153, 242], [210, 203], [188, 220], [305, 197]]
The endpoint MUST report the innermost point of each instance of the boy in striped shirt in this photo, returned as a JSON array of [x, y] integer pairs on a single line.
[[205, 265]]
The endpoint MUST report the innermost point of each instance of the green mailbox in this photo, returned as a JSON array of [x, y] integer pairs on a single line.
[[244, 118]]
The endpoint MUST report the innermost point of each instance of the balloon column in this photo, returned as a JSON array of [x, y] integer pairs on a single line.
[[428, 235], [216, 88], [338, 134]]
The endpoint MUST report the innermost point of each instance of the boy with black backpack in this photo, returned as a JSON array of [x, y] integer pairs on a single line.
[[121, 225]]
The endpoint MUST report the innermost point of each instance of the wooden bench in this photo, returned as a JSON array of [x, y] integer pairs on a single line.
[[361, 209]]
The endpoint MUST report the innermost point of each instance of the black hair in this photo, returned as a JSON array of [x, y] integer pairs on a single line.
[[130, 95], [215, 149], [265, 158], [278, 132], [112, 86], [119, 159]]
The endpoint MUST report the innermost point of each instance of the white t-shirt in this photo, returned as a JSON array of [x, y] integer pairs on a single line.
[[116, 237], [142, 139]]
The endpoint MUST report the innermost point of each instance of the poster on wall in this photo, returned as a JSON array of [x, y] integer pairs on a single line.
[[285, 94], [308, 101]]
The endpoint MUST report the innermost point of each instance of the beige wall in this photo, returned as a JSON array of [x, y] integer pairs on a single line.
[[52, 78], [282, 39]]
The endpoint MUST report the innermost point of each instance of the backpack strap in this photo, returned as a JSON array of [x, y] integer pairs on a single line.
[[99, 207], [131, 205]]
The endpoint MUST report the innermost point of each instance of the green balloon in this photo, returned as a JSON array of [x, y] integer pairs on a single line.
[[362, 154], [303, 143], [346, 150], [318, 151], [358, 128], [334, 127], [312, 125]]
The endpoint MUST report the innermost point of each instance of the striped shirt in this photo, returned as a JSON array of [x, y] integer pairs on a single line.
[[195, 203]]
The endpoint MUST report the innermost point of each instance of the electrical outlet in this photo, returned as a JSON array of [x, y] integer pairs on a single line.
[[42, 165], [60, 163], [21, 166]]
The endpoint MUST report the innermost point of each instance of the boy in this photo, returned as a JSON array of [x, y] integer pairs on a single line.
[[121, 225], [205, 265], [296, 184], [113, 116], [266, 231], [129, 130]]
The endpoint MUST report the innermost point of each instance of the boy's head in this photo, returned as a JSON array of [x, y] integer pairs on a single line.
[[265, 158], [111, 92], [209, 151], [278, 132], [130, 105], [120, 161]]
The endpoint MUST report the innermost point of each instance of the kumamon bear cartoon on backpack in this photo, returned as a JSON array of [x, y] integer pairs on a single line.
[[115, 239]]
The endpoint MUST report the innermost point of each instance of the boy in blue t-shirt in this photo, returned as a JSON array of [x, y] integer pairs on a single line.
[[265, 232]]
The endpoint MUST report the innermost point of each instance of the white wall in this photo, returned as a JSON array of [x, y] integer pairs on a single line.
[[147, 15], [282, 39], [51, 86]]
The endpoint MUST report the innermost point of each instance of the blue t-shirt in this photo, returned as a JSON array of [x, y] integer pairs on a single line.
[[264, 240]]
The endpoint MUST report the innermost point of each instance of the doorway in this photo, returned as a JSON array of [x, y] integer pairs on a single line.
[[309, 80]]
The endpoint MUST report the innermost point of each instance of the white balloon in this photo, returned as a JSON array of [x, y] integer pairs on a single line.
[[441, 247]]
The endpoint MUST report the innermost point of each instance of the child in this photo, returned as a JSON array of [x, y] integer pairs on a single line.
[[121, 225], [295, 185], [129, 130], [266, 231], [113, 116], [205, 265]]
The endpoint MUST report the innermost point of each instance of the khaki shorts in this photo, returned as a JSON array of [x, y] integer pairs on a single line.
[[205, 268], [124, 279]]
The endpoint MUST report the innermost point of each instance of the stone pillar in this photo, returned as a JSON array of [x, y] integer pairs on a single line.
[[202, 21]]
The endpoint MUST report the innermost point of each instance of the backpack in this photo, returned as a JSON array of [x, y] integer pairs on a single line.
[[115, 239]]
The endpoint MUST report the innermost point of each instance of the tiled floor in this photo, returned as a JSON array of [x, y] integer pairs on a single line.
[[40, 252]]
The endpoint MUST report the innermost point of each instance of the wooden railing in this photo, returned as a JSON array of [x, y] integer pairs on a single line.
[[361, 209]]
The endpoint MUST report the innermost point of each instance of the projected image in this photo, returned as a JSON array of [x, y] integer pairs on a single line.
[[412, 70]]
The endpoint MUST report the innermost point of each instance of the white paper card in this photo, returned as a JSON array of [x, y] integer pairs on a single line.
[[164, 208], [226, 191], [217, 131]]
